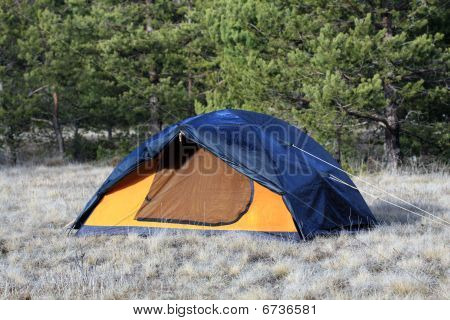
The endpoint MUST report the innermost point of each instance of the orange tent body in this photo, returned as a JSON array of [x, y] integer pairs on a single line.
[[120, 207]]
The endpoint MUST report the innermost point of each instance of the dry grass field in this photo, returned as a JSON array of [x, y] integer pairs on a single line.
[[406, 257]]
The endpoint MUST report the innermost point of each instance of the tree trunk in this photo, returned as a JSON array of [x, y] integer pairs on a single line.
[[57, 126], [13, 157], [190, 84], [392, 152], [155, 118], [392, 138], [190, 78], [76, 145], [338, 143], [109, 133], [155, 123], [12, 147]]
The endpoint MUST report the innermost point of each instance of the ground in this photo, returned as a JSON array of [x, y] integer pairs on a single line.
[[406, 257]]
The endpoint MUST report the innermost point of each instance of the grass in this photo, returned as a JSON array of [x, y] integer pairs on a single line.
[[406, 257]]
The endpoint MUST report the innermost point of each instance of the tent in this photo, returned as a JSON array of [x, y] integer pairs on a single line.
[[227, 170]]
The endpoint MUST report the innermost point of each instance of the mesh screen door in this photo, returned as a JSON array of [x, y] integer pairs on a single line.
[[193, 186]]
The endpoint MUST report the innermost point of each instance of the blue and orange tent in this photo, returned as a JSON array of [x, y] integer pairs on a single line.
[[227, 170]]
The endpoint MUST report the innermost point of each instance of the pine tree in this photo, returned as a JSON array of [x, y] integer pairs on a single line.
[[250, 45], [54, 66], [141, 47], [380, 68], [343, 70], [15, 113], [331, 64]]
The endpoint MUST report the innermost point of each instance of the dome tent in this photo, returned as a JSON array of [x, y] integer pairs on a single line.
[[227, 170]]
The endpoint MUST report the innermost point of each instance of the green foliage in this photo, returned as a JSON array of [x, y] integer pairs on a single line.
[[356, 74], [339, 68], [15, 112], [379, 68]]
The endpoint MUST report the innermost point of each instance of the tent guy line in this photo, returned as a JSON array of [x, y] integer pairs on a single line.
[[442, 221], [387, 201]]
